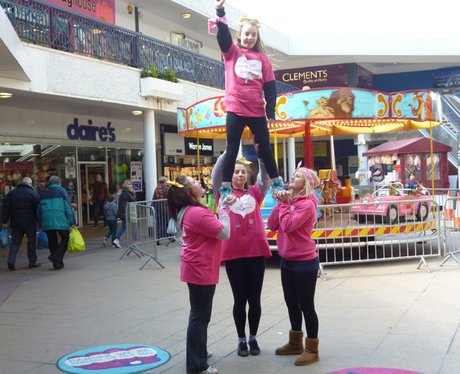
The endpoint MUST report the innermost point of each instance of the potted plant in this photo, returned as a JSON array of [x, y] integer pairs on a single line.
[[161, 85]]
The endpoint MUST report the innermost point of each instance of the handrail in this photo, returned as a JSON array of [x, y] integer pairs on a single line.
[[45, 24]]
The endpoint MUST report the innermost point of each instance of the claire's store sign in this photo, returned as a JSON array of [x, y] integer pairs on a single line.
[[77, 131]]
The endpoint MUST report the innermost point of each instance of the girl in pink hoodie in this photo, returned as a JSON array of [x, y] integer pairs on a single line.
[[294, 217], [202, 234]]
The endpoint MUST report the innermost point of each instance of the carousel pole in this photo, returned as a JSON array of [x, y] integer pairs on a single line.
[[432, 159], [198, 156], [275, 138], [308, 147], [333, 166]]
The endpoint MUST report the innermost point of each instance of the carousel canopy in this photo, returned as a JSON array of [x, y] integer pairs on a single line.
[[416, 145], [327, 111]]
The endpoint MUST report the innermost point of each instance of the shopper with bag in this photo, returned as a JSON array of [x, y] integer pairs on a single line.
[[19, 209], [55, 215]]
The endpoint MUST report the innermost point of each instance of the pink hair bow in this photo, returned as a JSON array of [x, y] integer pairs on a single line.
[[212, 24]]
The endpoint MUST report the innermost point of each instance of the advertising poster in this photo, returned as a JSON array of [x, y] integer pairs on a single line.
[[136, 175], [103, 10], [70, 167]]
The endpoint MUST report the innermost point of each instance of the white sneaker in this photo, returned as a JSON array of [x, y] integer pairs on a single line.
[[116, 243], [104, 242], [210, 370]]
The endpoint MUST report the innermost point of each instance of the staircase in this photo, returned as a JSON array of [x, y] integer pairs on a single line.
[[449, 130]]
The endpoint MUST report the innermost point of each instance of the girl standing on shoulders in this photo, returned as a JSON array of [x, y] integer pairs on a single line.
[[294, 217], [202, 234], [249, 78], [246, 250]]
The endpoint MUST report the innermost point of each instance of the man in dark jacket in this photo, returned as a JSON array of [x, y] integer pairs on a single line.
[[19, 208], [99, 197]]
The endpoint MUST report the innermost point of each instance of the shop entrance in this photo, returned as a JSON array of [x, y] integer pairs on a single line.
[[87, 174]]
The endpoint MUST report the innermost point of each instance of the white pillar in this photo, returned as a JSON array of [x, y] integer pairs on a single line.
[[291, 157], [150, 154]]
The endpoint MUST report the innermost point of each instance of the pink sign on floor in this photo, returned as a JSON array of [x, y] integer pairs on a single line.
[[103, 10], [372, 371]]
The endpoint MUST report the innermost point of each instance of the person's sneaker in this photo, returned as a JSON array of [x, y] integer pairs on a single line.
[[254, 348], [36, 265], [242, 349], [104, 241], [225, 190], [210, 370], [116, 243], [11, 267]]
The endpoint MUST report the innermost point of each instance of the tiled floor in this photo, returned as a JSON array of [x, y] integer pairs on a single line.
[[376, 315]]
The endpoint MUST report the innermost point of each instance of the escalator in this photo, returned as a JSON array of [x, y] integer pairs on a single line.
[[449, 130]]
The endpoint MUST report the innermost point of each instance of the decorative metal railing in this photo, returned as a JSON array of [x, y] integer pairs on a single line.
[[45, 24]]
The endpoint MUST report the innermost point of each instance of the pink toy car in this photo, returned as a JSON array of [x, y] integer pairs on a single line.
[[390, 204]]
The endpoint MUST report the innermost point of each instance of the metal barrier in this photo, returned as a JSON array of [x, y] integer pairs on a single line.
[[450, 231], [165, 229], [344, 237], [141, 231]]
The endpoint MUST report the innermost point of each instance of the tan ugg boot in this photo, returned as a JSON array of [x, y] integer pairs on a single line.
[[310, 355], [294, 346]]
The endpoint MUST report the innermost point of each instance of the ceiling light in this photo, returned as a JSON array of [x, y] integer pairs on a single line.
[[136, 112], [186, 15], [5, 95]]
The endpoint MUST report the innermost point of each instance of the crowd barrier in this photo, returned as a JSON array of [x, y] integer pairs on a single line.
[[141, 231], [341, 235], [450, 231], [344, 238]]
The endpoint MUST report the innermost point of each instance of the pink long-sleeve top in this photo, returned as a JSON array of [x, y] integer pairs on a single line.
[[294, 221], [201, 250], [247, 235]]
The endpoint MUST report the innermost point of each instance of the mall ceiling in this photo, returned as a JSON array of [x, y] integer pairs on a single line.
[[377, 64]]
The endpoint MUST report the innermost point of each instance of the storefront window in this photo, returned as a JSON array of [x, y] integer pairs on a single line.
[[38, 161], [433, 166], [119, 162], [412, 164], [91, 154]]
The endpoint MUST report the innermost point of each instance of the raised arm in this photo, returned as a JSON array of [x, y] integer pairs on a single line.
[[224, 38], [263, 179], [217, 174]]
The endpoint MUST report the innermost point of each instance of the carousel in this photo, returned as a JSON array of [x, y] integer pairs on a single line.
[[323, 112]]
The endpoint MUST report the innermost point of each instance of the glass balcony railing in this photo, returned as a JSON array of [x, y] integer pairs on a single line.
[[58, 28]]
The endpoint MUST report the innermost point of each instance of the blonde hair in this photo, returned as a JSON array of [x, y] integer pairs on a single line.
[[259, 45], [311, 181], [125, 183]]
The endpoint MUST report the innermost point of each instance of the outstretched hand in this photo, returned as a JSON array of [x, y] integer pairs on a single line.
[[220, 4], [284, 196]]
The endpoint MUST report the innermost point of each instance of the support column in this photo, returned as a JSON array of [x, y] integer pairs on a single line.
[[150, 154], [285, 173], [291, 157], [362, 161]]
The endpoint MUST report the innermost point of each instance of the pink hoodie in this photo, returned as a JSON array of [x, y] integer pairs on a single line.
[[294, 221]]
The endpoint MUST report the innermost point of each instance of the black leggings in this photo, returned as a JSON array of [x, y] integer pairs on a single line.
[[299, 295], [246, 276], [258, 126]]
